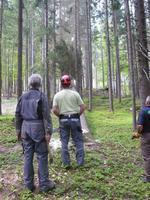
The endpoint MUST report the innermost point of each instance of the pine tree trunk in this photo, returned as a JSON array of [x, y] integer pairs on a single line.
[[89, 50], [144, 78], [78, 64], [27, 60], [118, 78], [149, 11], [102, 62], [31, 46], [131, 64], [1, 22], [109, 60], [53, 77], [20, 22], [47, 59], [43, 49]]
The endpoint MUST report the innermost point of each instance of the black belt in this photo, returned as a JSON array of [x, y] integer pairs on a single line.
[[71, 116]]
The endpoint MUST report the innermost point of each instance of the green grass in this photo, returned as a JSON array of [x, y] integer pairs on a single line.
[[112, 171]]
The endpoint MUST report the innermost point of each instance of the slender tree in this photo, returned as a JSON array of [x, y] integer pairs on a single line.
[[144, 78], [131, 64], [109, 60], [20, 23], [89, 51], [102, 61], [53, 77], [115, 5], [47, 60], [78, 65], [1, 21]]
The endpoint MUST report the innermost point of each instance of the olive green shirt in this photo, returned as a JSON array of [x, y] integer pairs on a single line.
[[68, 101]]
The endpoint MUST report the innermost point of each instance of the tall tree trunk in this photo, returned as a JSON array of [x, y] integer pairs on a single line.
[[118, 79], [47, 59], [131, 64], [53, 77], [109, 60], [144, 79], [31, 45], [27, 60], [20, 22], [102, 62], [1, 21], [149, 11], [78, 65], [43, 48], [113, 71], [60, 19], [89, 49]]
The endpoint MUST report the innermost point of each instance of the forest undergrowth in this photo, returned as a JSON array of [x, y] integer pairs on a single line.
[[113, 165]]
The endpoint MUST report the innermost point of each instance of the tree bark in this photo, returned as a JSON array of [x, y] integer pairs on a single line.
[[131, 64], [20, 22], [89, 50], [47, 59], [1, 22], [144, 78], [109, 60], [118, 78], [102, 61], [78, 65]]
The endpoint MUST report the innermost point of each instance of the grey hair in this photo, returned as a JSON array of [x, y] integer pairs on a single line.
[[35, 81], [147, 102]]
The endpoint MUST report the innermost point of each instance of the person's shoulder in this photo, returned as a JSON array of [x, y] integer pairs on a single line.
[[145, 110], [73, 91], [25, 93], [76, 93], [58, 93]]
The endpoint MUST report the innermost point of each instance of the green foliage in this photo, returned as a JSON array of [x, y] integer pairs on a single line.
[[63, 55], [116, 5], [7, 130]]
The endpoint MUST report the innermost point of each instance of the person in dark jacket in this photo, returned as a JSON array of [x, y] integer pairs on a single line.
[[34, 128], [144, 127]]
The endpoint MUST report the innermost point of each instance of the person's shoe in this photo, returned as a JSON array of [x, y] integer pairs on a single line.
[[32, 189], [48, 187], [146, 179]]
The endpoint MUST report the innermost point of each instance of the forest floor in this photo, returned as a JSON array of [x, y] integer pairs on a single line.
[[113, 164]]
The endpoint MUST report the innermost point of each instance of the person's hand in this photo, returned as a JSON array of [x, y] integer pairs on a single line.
[[136, 135], [47, 137], [139, 129]]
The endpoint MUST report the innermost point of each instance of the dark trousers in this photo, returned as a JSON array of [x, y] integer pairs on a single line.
[[40, 148], [71, 126], [145, 147]]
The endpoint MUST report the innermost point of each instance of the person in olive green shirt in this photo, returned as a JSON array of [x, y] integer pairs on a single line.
[[68, 106]]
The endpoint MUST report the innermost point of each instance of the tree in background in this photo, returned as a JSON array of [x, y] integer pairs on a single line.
[[1, 22], [109, 60], [115, 8], [131, 61], [143, 65], [20, 25]]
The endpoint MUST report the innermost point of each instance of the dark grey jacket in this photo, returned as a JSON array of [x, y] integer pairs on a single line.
[[33, 115]]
